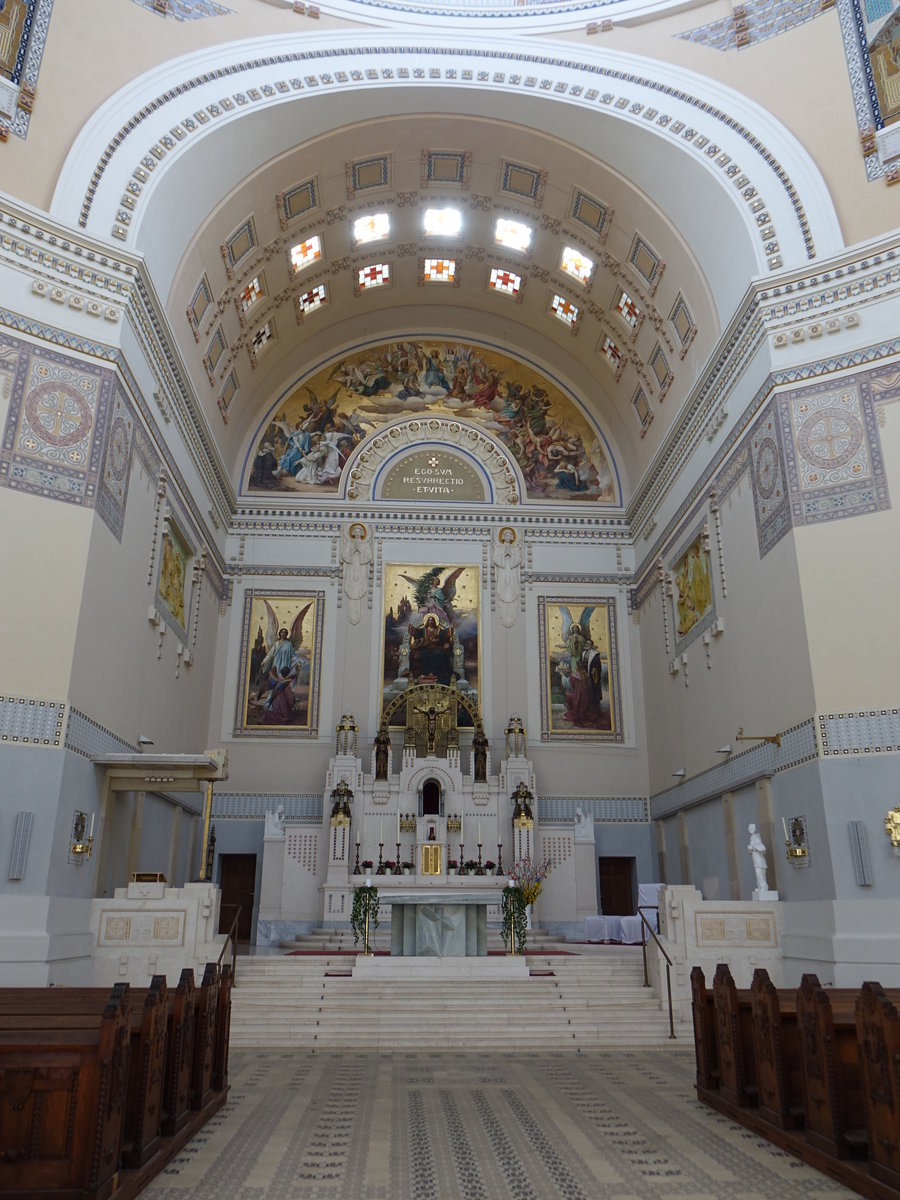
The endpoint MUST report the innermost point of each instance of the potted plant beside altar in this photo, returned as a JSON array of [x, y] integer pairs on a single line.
[[408, 868], [452, 866]]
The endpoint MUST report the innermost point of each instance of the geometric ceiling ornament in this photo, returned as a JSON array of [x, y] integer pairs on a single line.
[[446, 167], [368, 173], [239, 244], [527, 182], [300, 199], [646, 262], [592, 213], [474, 391]]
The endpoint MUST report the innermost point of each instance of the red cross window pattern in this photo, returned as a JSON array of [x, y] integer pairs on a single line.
[[374, 276], [312, 299], [305, 253], [628, 310], [261, 338], [611, 353], [439, 270], [565, 310], [251, 293], [505, 281]]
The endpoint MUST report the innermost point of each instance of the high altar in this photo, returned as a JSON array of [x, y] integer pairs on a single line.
[[436, 839]]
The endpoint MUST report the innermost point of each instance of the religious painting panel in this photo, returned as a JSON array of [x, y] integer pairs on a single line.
[[172, 586], [693, 602], [280, 664], [431, 624], [579, 664], [312, 433]]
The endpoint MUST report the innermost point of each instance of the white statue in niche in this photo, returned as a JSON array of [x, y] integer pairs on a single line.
[[356, 555], [507, 559], [275, 822], [757, 851], [584, 826]]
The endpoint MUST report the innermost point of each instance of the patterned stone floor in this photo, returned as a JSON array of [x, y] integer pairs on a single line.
[[593, 1126]]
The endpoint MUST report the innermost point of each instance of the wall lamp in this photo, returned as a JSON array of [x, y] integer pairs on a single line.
[[679, 774], [774, 738], [726, 749], [81, 846]]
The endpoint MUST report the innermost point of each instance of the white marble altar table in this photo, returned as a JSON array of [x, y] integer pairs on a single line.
[[441, 924]]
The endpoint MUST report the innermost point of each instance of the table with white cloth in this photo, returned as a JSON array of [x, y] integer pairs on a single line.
[[648, 902]]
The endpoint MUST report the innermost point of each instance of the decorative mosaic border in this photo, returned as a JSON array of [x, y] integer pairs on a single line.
[[252, 806], [609, 810], [876, 731], [89, 738], [29, 56], [729, 464], [28, 722], [701, 142], [862, 82], [798, 745], [143, 442]]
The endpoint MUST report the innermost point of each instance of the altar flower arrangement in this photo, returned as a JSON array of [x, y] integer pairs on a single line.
[[367, 864], [471, 864], [365, 902], [452, 864], [529, 877], [407, 866], [490, 866]]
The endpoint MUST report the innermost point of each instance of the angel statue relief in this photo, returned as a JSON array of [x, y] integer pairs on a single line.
[[356, 555], [507, 559], [579, 666], [280, 669]]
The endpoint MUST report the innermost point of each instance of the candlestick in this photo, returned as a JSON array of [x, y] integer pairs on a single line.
[[499, 858], [479, 870], [479, 833], [398, 824], [380, 868], [462, 861], [356, 867], [398, 868]]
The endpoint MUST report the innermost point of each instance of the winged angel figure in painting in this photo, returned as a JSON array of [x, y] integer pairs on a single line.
[[281, 668], [578, 663]]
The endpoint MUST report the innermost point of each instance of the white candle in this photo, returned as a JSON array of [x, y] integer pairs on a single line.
[[398, 824], [91, 832], [357, 837], [462, 818], [381, 831], [479, 833], [786, 836]]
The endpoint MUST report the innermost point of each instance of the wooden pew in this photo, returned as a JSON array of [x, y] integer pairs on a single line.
[[175, 1070], [776, 1047], [734, 1040], [62, 1106], [832, 1082], [878, 1036], [705, 1046]]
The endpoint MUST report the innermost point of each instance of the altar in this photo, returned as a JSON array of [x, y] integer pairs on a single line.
[[439, 924]]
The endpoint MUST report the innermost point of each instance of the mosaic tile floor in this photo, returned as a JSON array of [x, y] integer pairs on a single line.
[[594, 1126]]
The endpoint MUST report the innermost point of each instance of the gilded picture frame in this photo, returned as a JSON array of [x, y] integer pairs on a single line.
[[279, 675], [578, 654], [431, 630], [693, 598]]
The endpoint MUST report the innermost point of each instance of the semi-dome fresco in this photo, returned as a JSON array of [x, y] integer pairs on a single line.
[[314, 430]]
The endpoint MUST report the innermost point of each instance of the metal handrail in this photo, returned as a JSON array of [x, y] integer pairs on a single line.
[[645, 924], [230, 937]]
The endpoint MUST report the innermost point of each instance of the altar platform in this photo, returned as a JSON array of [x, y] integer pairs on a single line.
[[431, 969], [439, 924]]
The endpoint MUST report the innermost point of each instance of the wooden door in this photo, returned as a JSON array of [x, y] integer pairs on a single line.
[[617, 886], [237, 879]]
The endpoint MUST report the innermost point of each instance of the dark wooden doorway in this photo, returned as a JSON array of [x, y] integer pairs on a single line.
[[617, 886], [431, 798], [237, 879]]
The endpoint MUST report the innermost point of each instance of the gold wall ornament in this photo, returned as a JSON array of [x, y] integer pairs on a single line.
[[773, 738], [892, 828], [82, 841], [795, 841]]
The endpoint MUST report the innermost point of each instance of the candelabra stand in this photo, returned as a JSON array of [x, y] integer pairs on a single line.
[[366, 951], [499, 858], [479, 870], [462, 861], [398, 870], [379, 870], [356, 870]]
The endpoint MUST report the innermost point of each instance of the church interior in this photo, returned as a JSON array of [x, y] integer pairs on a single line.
[[436, 437]]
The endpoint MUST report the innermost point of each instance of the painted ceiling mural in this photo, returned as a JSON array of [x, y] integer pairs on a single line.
[[312, 433]]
